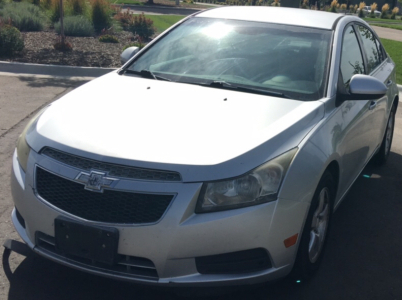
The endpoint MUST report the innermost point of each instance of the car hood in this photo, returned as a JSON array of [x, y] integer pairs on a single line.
[[160, 124]]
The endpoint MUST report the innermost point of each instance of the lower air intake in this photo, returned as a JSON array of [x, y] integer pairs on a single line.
[[235, 262]]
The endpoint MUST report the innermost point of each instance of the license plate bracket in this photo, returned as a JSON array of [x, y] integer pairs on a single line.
[[96, 243]]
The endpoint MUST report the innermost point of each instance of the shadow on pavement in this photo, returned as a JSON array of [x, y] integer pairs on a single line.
[[363, 259], [36, 82]]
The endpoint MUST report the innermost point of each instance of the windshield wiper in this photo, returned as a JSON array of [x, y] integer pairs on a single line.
[[230, 86], [145, 74], [148, 74]]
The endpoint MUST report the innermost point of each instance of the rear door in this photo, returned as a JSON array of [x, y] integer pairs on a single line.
[[379, 67], [355, 129]]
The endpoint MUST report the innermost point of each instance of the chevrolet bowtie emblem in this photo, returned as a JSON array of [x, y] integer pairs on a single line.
[[95, 181]]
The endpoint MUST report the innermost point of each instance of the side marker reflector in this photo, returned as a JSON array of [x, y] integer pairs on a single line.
[[291, 240]]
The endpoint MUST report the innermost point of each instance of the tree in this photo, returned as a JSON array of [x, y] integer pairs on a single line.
[[63, 38]]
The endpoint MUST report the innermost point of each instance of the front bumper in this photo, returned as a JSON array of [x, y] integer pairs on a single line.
[[173, 243]]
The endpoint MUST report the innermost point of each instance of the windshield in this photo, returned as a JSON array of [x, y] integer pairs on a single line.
[[287, 60]]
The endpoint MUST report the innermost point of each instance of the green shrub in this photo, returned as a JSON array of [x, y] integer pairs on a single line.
[[124, 18], [75, 26], [24, 16], [107, 38], [101, 15], [54, 11], [334, 5], [394, 12], [10, 40], [384, 11], [46, 4], [76, 7], [142, 26]]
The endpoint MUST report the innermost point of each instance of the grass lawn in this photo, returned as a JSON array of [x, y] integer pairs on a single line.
[[163, 22], [393, 26], [379, 20], [393, 48]]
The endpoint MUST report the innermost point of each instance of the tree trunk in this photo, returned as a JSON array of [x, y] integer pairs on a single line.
[[62, 23]]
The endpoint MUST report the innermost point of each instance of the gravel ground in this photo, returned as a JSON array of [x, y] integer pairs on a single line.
[[87, 51]]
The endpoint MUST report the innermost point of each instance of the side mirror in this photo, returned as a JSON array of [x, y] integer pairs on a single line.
[[363, 87], [128, 53]]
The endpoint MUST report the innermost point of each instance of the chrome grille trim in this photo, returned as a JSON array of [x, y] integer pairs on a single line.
[[112, 169]]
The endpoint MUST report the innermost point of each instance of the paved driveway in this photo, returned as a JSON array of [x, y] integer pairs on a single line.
[[388, 33]]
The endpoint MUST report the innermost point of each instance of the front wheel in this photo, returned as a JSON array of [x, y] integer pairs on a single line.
[[316, 229]]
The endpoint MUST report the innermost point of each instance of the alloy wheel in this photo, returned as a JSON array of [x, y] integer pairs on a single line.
[[319, 225], [388, 135]]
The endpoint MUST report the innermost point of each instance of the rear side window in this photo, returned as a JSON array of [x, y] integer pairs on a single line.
[[372, 47], [352, 60]]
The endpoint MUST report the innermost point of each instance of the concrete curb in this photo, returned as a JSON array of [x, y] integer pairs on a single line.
[[52, 70], [162, 9]]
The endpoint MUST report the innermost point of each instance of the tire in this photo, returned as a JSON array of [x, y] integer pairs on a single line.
[[316, 230], [385, 148]]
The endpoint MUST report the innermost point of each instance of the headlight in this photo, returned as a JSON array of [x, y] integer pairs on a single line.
[[22, 145], [259, 186]]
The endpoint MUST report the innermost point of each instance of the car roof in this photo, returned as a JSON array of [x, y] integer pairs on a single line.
[[277, 15]]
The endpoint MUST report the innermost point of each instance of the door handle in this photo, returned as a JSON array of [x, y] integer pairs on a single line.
[[373, 104], [389, 82]]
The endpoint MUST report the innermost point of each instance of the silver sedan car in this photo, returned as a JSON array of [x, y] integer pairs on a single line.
[[215, 156]]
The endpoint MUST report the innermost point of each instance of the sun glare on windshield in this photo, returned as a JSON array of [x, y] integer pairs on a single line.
[[217, 30]]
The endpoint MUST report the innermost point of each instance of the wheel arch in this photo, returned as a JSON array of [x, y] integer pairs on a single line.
[[395, 103], [334, 169]]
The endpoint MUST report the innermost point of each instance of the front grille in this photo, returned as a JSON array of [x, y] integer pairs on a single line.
[[126, 265], [108, 207], [112, 169], [234, 262]]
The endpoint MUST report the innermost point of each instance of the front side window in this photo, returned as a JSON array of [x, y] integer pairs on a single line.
[[351, 57], [287, 60], [372, 48]]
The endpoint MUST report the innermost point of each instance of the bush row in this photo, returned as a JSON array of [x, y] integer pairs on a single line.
[[75, 26], [25, 16]]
